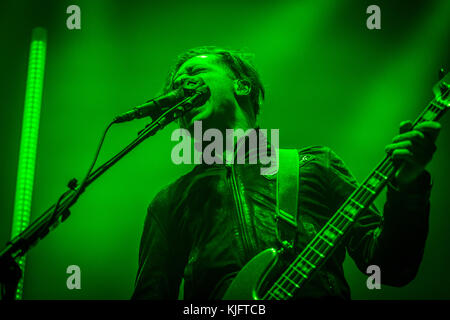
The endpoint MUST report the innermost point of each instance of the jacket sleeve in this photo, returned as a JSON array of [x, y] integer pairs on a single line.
[[160, 271], [395, 240]]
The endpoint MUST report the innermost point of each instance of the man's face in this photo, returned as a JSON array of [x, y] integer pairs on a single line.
[[219, 111]]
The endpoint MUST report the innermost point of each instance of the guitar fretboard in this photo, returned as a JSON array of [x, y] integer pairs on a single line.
[[329, 237]]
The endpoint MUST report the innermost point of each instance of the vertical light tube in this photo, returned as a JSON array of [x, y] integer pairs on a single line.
[[29, 138]]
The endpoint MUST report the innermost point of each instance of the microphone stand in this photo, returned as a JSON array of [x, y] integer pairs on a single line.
[[10, 272]]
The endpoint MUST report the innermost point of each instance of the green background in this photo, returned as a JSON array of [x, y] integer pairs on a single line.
[[329, 81]]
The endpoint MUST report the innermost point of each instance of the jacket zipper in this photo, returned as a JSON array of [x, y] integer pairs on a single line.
[[240, 214]]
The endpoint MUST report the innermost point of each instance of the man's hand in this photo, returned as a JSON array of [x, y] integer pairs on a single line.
[[412, 150]]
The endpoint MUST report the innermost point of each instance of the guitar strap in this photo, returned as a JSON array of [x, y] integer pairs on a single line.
[[287, 189]]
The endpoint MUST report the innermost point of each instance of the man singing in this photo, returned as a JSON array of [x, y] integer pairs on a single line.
[[209, 223]]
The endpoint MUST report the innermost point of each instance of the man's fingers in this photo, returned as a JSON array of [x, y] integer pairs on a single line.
[[402, 154], [415, 146], [430, 129], [429, 124], [419, 152], [415, 135], [407, 145], [405, 126]]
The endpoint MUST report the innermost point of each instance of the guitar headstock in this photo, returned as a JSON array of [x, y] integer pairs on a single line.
[[441, 89]]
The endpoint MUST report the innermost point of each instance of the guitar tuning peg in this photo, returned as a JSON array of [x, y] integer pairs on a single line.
[[441, 73]]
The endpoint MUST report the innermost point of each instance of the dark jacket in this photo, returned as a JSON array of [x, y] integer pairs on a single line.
[[209, 223]]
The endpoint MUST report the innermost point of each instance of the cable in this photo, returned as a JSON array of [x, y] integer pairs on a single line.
[[72, 183]]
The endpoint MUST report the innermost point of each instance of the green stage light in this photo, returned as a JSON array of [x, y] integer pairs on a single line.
[[29, 138]]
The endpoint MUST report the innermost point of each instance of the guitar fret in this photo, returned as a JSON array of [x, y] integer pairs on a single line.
[[367, 188], [308, 262], [293, 283], [328, 242], [320, 254], [284, 290], [381, 175], [357, 203], [346, 216], [300, 272], [437, 105], [273, 294], [337, 229]]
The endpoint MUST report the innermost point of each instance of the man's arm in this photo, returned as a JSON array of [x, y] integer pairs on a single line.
[[394, 241], [396, 245], [160, 269]]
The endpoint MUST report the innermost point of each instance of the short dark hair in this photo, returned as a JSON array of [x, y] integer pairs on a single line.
[[239, 62]]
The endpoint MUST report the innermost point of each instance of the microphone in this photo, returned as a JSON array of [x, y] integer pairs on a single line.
[[156, 107]]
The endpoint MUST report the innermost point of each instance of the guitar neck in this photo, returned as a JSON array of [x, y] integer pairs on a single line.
[[329, 237]]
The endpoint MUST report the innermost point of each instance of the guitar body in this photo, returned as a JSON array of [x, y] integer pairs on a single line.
[[249, 282]]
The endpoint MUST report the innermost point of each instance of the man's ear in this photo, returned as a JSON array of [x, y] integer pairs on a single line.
[[242, 87]]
